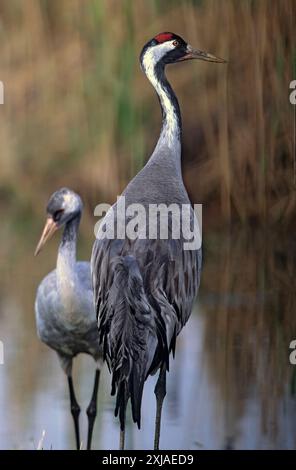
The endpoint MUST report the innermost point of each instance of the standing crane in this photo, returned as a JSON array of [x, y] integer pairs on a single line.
[[144, 289], [64, 308]]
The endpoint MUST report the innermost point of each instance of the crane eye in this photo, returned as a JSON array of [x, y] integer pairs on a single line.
[[176, 43], [57, 215]]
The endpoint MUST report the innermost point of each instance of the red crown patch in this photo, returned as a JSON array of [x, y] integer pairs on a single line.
[[163, 37]]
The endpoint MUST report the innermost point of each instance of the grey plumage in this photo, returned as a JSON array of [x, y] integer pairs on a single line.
[[144, 289], [152, 308], [68, 334], [64, 306]]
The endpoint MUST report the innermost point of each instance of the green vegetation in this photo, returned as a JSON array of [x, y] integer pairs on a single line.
[[79, 112]]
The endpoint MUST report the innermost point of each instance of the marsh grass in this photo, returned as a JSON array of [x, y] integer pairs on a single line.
[[79, 111]]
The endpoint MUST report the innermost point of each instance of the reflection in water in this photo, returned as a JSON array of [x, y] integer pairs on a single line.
[[230, 386]]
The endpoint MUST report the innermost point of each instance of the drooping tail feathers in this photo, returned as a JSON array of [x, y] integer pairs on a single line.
[[127, 347]]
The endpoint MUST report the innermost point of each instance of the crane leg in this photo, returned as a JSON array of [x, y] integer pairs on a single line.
[[92, 409], [122, 439], [160, 393], [75, 411], [122, 421]]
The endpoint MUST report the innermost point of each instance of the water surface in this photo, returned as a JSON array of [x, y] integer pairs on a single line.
[[230, 386]]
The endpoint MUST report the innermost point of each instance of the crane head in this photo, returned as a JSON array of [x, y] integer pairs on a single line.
[[167, 48], [63, 206]]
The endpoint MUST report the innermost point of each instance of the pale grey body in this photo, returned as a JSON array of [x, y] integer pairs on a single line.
[[64, 306], [68, 326]]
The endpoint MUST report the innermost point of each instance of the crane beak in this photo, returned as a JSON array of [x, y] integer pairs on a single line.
[[201, 55], [48, 231]]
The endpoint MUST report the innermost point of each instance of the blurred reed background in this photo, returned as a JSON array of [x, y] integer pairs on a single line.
[[79, 112]]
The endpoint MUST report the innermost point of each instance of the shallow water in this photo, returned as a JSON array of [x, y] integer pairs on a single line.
[[230, 386]]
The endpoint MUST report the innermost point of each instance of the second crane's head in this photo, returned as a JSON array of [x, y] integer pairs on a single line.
[[168, 48], [63, 206]]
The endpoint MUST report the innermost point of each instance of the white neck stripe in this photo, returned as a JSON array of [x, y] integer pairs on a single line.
[[170, 130]]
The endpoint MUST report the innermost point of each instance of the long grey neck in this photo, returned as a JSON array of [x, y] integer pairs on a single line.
[[66, 260], [169, 142]]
